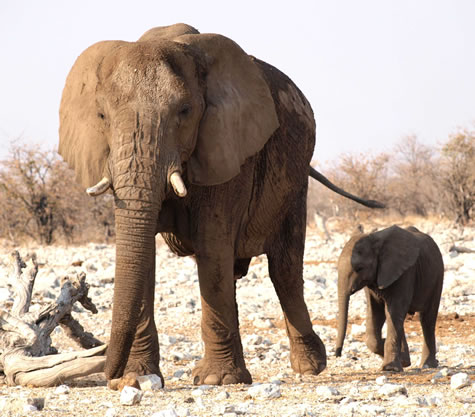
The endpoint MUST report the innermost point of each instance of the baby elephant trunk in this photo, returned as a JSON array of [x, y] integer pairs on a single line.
[[343, 303]]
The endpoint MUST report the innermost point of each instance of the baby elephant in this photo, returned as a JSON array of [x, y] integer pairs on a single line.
[[402, 272]]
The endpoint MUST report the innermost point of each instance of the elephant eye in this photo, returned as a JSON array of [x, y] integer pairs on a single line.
[[101, 116], [185, 110]]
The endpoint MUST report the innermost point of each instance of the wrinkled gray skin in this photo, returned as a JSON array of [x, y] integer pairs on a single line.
[[240, 135], [402, 272]]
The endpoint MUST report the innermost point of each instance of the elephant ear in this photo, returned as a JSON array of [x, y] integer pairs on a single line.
[[240, 114], [82, 129], [168, 32], [398, 251]]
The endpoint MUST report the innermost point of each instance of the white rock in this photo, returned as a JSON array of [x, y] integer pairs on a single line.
[[326, 391], [358, 329], [4, 294], [61, 389], [264, 391], [253, 339], [434, 399], [130, 396], [169, 412], [372, 409], [391, 390], [111, 412], [197, 392], [182, 411], [460, 380], [29, 408], [151, 382], [381, 380], [263, 324], [223, 395]]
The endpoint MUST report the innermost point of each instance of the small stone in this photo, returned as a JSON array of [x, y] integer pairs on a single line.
[[130, 396], [253, 340], [182, 412], [151, 382], [111, 412], [264, 391], [61, 389], [357, 329], [169, 412], [460, 380], [178, 374], [391, 390], [346, 400], [223, 395], [381, 380], [435, 399], [372, 410], [263, 324], [197, 392], [326, 391]]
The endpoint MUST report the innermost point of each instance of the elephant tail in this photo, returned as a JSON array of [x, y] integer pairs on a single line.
[[327, 183]]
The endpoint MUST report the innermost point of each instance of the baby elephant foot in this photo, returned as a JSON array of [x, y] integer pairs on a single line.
[[394, 366], [212, 372], [307, 354], [405, 360], [429, 363]]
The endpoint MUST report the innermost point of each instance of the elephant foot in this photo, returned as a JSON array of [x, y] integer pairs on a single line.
[[405, 360], [394, 366], [429, 363], [212, 372], [307, 354]]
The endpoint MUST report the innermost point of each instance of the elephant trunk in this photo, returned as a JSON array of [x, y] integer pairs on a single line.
[[139, 184], [343, 303], [135, 260]]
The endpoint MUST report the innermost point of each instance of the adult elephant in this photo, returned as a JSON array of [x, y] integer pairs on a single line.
[[210, 147], [402, 272]]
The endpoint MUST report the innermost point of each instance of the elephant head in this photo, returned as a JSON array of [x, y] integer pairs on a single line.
[[376, 260], [147, 119]]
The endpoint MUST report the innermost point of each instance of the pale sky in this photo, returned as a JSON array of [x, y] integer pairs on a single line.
[[374, 71]]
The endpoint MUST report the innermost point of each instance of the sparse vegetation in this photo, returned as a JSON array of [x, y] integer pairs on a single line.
[[413, 179], [41, 200]]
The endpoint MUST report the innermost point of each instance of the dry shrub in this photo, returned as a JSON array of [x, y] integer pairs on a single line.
[[457, 166], [413, 179], [42, 202]]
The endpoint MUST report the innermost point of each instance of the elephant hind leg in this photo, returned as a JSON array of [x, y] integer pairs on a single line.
[[428, 321], [285, 256]]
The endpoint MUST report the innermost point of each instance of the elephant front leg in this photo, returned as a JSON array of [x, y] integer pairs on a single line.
[[375, 318], [223, 361], [394, 339], [144, 356]]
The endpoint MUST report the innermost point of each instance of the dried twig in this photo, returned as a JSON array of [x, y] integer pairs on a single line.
[[27, 357]]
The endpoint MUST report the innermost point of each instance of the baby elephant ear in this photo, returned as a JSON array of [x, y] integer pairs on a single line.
[[399, 250], [240, 114], [82, 128]]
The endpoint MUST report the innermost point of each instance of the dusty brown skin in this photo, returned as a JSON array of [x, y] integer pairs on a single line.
[[241, 135], [402, 273]]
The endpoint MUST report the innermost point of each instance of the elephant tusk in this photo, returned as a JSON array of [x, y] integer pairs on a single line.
[[178, 185], [100, 188]]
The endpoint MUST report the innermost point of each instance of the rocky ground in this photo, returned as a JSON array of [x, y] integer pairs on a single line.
[[351, 385]]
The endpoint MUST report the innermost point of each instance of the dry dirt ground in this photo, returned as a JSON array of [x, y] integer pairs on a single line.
[[348, 386]]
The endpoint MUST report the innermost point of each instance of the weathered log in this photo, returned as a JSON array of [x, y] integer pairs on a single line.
[[26, 354]]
